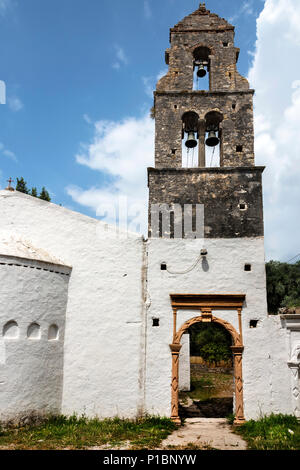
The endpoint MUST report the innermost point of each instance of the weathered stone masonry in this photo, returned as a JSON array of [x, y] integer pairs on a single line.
[[232, 197], [231, 194]]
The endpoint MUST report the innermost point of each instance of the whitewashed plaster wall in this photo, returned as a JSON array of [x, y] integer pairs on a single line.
[[104, 336], [33, 299], [266, 379], [109, 326]]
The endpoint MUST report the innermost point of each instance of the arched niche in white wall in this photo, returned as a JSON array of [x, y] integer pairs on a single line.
[[34, 331], [11, 330], [53, 333]]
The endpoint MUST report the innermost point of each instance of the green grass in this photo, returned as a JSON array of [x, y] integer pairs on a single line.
[[60, 432], [274, 432]]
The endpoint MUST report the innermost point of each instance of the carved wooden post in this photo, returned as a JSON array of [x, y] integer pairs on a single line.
[[238, 375], [240, 324], [175, 348], [174, 322]]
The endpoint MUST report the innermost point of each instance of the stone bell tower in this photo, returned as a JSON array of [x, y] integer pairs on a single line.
[[202, 46]]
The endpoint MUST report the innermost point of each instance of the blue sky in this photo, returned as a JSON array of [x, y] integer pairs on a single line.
[[75, 70]]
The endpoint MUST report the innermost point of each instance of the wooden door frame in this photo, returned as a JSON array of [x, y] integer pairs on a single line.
[[205, 304]]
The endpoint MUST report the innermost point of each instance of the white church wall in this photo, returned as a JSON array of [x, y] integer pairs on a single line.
[[221, 273], [33, 298], [108, 325], [104, 337], [265, 370]]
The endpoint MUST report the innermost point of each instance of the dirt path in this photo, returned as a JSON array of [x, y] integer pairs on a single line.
[[206, 432]]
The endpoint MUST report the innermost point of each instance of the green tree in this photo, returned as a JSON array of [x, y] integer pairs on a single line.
[[210, 341], [283, 285], [34, 192], [21, 186], [44, 195]]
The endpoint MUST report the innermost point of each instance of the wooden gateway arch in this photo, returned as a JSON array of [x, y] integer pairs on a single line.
[[205, 304]]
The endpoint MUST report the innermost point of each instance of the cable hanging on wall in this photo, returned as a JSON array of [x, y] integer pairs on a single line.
[[201, 255]]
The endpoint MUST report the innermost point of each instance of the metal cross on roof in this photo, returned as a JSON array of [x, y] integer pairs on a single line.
[[9, 187]]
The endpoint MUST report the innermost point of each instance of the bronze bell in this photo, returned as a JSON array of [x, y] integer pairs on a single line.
[[191, 142], [201, 71], [212, 139]]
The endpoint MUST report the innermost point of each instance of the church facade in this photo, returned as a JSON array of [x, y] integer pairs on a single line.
[[95, 324]]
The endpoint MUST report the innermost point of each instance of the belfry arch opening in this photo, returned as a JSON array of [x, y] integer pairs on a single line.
[[201, 68], [206, 378], [202, 142], [190, 139], [213, 139]]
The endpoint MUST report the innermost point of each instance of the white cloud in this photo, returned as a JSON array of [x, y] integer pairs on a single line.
[[121, 151], [121, 58], [147, 9], [7, 153], [4, 5], [15, 104], [87, 119], [247, 7], [275, 74]]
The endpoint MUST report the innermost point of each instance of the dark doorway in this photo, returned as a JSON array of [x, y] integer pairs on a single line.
[[210, 394]]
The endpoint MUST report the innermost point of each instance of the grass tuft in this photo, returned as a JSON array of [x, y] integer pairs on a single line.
[[274, 432], [60, 432]]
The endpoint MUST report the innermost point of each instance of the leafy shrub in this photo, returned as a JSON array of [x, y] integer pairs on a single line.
[[210, 341]]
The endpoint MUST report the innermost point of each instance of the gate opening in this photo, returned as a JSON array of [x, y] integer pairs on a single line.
[[206, 374]]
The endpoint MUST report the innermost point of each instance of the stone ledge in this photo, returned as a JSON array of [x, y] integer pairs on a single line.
[[220, 170], [205, 92]]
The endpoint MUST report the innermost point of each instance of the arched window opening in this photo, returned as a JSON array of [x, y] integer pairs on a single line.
[[190, 136], [34, 331], [53, 333], [201, 68], [11, 330]]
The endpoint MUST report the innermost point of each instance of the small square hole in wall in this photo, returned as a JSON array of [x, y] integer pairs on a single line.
[[248, 267], [242, 206], [175, 106], [253, 323], [155, 322], [163, 267], [233, 106], [173, 151], [225, 44], [239, 148]]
